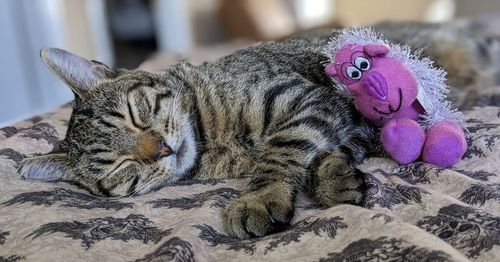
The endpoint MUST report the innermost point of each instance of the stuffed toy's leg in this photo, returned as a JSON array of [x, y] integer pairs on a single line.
[[445, 144], [403, 139]]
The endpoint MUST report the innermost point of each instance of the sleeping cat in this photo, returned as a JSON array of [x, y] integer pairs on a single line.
[[267, 111]]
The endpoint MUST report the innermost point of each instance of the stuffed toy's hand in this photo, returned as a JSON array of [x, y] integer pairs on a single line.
[[403, 139], [445, 144]]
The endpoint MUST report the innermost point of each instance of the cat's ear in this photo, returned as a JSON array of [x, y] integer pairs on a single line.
[[331, 70], [79, 73], [375, 50], [49, 167]]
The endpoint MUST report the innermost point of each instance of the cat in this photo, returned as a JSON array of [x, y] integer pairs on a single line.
[[268, 112]]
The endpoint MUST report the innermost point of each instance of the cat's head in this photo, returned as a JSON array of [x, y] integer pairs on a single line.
[[130, 131]]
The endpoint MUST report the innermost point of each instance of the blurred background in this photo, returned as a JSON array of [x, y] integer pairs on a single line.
[[154, 33]]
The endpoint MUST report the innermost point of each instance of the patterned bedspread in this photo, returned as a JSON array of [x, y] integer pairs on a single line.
[[416, 212]]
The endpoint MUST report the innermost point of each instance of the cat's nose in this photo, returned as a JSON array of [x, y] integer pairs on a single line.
[[164, 150], [375, 85]]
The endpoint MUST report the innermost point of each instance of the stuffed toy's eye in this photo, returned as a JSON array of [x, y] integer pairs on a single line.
[[362, 63], [354, 73]]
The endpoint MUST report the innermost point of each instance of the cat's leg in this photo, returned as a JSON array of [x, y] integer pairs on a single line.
[[224, 161], [334, 181], [278, 175]]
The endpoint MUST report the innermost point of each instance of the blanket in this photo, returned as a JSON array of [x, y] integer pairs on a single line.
[[411, 212]]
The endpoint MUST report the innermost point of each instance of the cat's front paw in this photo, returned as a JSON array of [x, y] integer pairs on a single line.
[[259, 213], [334, 182], [344, 189]]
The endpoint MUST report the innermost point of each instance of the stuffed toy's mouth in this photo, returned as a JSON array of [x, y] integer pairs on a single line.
[[390, 107]]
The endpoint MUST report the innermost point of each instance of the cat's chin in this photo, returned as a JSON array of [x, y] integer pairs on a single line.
[[185, 157], [181, 151], [182, 161]]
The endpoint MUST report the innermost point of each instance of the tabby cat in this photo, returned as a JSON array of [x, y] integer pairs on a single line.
[[267, 111]]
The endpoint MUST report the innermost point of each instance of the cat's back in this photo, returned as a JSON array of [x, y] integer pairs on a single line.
[[298, 55]]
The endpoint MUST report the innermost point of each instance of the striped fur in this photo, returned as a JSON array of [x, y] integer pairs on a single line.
[[268, 111]]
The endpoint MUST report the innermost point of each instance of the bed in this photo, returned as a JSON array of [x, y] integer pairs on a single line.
[[417, 212]]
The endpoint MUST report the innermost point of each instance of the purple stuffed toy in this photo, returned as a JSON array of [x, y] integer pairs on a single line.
[[403, 94]]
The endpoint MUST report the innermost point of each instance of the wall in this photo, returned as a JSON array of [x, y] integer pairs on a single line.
[[468, 8], [27, 87]]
